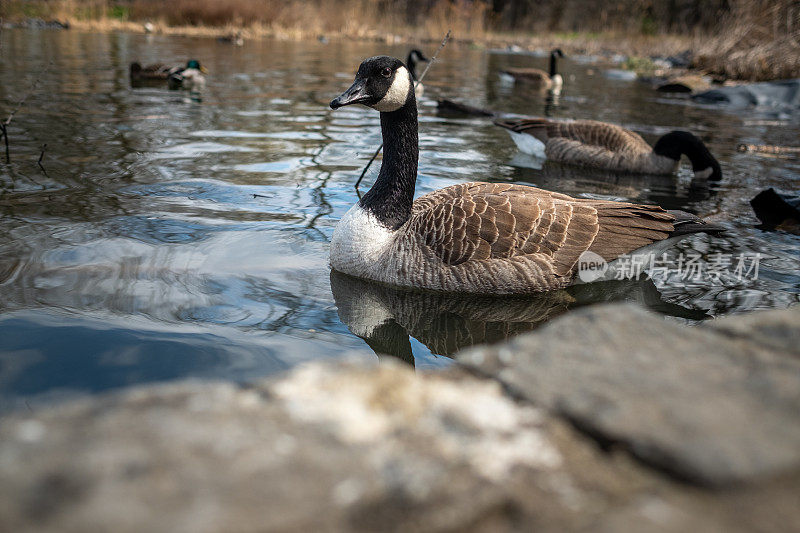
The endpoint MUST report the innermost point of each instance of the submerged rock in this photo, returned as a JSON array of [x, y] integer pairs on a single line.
[[620, 74], [706, 405], [783, 95], [689, 83]]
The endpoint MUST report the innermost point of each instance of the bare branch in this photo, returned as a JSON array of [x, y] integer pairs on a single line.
[[4, 124]]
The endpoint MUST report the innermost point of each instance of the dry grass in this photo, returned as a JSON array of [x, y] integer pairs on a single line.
[[761, 41], [739, 39]]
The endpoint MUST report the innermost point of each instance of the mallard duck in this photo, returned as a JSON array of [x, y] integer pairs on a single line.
[[157, 71], [190, 78], [485, 238]]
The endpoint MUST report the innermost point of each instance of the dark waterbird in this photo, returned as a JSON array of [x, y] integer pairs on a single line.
[[158, 73], [538, 78], [589, 143], [777, 210], [485, 238]]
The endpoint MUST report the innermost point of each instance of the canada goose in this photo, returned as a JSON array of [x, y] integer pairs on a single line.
[[490, 238], [589, 143], [414, 57], [537, 77], [190, 78]]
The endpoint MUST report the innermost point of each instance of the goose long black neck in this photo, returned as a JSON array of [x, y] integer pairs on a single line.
[[553, 60], [411, 63], [392, 195], [677, 143]]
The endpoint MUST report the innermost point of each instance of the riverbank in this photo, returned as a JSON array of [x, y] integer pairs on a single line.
[[639, 424], [736, 54]]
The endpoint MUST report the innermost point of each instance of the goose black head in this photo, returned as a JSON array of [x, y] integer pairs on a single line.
[[382, 83], [676, 143], [557, 52]]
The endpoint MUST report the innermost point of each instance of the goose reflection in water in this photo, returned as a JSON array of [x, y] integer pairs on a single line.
[[386, 316]]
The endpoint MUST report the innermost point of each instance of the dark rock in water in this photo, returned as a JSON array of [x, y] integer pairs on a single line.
[[683, 84], [777, 211], [682, 60], [707, 405], [780, 95], [41, 24]]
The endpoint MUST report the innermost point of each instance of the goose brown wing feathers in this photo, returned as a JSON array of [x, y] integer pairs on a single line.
[[529, 74], [478, 222], [587, 132]]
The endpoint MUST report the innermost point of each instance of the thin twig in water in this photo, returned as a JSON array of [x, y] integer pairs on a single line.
[[39, 162], [4, 124], [427, 67], [4, 132]]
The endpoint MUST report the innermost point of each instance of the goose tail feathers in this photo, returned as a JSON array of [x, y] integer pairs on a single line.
[[532, 126], [687, 223]]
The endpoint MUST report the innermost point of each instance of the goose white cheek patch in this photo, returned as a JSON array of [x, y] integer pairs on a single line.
[[395, 97]]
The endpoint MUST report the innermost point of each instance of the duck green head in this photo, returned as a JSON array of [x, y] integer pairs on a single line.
[[195, 64]]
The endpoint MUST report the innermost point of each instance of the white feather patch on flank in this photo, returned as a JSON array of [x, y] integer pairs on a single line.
[[507, 79], [528, 144], [359, 243], [396, 96], [704, 174]]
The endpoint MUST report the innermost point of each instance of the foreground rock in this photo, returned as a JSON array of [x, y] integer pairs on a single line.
[[381, 448], [714, 404]]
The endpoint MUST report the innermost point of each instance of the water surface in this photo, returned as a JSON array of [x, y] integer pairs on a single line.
[[169, 238]]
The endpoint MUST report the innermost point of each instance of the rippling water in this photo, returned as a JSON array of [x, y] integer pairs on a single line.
[[171, 238]]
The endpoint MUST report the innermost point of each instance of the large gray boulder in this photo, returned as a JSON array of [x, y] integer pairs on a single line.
[[714, 405], [358, 447], [339, 448]]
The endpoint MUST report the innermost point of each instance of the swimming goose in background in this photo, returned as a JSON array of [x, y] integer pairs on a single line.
[[414, 57], [537, 77], [488, 238], [190, 78], [589, 143]]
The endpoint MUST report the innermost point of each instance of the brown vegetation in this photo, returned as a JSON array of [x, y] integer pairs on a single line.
[[760, 39], [741, 39]]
